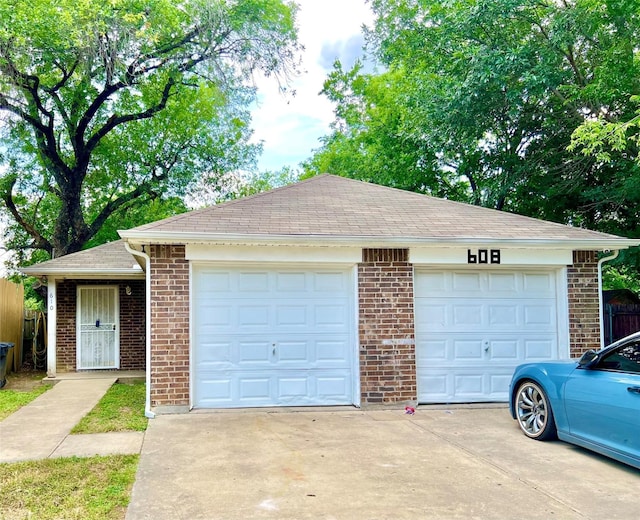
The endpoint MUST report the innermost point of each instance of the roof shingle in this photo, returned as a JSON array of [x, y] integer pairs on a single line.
[[332, 206]]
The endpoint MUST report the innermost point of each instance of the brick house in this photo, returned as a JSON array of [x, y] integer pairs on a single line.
[[327, 292]]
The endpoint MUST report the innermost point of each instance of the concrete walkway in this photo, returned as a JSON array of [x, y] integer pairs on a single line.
[[41, 429]]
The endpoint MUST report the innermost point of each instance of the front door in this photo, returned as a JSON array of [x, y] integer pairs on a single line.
[[97, 327]]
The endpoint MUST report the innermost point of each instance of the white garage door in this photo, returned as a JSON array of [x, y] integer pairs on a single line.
[[474, 327], [273, 337]]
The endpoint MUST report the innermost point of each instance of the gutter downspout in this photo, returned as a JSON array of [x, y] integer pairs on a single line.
[[147, 261], [601, 297]]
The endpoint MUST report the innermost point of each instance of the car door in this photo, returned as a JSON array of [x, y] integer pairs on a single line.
[[602, 402]]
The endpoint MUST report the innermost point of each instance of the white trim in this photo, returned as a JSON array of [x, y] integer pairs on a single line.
[[115, 289], [562, 298], [355, 367], [457, 256], [371, 241], [316, 255], [52, 326], [147, 406], [192, 367], [84, 273]]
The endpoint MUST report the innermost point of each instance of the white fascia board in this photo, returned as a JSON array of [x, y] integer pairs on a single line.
[[590, 244], [124, 274], [273, 253]]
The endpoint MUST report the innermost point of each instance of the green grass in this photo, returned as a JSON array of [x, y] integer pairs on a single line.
[[71, 488], [121, 409], [12, 400]]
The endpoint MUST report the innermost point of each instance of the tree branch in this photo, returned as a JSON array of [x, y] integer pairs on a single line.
[[39, 241]]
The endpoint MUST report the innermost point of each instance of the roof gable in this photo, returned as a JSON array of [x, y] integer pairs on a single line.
[[328, 206]]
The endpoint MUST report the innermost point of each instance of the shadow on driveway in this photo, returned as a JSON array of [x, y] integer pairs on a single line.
[[350, 464]]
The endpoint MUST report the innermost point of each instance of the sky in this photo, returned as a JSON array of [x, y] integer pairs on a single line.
[[290, 127]]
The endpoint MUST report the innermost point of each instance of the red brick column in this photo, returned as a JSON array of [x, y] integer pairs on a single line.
[[386, 327], [584, 303], [169, 328]]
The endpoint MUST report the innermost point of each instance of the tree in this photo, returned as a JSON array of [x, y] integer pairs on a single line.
[[110, 105], [487, 94]]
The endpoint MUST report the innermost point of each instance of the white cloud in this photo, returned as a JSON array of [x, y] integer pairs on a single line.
[[290, 127]]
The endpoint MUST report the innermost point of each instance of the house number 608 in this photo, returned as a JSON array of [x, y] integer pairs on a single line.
[[483, 256]]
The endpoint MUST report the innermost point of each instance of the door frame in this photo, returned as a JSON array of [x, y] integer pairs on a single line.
[[115, 290]]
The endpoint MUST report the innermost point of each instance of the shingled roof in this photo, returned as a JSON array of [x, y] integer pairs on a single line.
[[329, 208], [110, 259]]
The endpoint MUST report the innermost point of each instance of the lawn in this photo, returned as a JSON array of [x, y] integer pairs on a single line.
[[121, 409], [21, 389], [71, 488]]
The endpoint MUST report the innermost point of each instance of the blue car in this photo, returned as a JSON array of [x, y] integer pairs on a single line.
[[593, 403]]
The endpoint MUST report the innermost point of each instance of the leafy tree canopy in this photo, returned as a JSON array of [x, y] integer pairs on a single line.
[[478, 100], [107, 106]]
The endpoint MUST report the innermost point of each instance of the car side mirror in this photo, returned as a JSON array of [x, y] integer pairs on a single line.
[[588, 359]]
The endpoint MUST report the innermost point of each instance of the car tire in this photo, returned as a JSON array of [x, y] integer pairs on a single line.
[[533, 412]]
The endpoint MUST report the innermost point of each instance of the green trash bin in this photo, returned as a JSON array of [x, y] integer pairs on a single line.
[[4, 352]]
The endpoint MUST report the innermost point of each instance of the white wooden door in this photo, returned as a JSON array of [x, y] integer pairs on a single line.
[[97, 327], [474, 327], [273, 337]]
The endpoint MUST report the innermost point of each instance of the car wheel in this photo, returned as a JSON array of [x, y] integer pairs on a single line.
[[533, 412]]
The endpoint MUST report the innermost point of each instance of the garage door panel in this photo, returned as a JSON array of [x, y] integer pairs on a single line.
[[470, 384], [467, 349], [474, 328], [273, 337], [450, 315], [290, 388], [539, 284], [502, 315], [464, 315], [506, 283], [252, 282], [490, 347], [293, 352], [540, 349], [480, 283], [539, 315], [253, 353], [252, 316], [215, 354]]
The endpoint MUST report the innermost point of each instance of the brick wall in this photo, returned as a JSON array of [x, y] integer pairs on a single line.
[[132, 323], [584, 303], [387, 341], [169, 326]]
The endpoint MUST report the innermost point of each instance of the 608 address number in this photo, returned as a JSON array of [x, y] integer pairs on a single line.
[[483, 256]]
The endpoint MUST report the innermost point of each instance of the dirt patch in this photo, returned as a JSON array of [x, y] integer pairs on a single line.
[[24, 380]]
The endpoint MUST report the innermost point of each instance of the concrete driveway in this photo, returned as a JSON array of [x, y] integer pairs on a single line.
[[349, 464]]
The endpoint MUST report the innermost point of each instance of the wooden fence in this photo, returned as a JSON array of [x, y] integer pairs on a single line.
[[620, 321], [12, 320]]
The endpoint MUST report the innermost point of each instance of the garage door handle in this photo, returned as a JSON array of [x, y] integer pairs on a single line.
[[634, 389]]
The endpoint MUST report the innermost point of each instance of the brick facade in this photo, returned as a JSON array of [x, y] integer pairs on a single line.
[[169, 326], [132, 323], [386, 327], [386, 323], [584, 302]]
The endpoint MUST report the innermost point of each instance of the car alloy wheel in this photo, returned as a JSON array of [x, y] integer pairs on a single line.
[[533, 412]]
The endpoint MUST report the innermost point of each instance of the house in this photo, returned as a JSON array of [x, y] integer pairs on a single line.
[[330, 291]]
